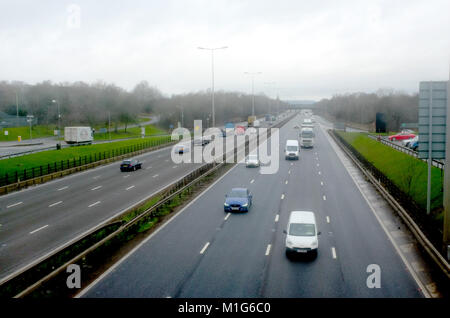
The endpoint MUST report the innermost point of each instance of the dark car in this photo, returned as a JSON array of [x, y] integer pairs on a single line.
[[238, 200], [130, 165]]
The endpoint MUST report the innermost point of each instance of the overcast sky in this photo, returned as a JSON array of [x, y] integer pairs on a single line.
[[310, 49]]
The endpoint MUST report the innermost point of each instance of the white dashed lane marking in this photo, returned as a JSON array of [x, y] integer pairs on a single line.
[[96, 188], [130, 187], [63, 188], [268, 249], [328, 219], [204, 248], [13, 205], [253, 180], [228, 215], [282, 197], [277, 217], [54, 204], [94, 204], [32, 232], [333, 252]]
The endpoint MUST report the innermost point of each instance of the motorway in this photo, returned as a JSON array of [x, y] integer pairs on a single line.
[[36, 221], [204, 252]]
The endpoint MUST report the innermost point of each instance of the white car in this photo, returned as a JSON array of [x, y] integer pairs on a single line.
[[252, 161], [252, 131], [291, 151], [301, 234]]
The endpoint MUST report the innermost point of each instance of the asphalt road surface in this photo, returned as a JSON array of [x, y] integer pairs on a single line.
[[204, 252], [36, 221]]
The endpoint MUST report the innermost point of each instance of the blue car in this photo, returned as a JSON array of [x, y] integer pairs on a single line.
[[238, 200], [414, 145]]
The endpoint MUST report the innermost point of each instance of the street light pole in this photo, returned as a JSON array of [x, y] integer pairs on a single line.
[[253, 95], [270, 103], [212, 79], [59, 120]]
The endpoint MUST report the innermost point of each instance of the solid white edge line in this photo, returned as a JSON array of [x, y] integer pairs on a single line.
[[120, 261], [43, 227], [204, 248], [39, 259], [399, 252], [268, 249], [53, 204], [74, 175]]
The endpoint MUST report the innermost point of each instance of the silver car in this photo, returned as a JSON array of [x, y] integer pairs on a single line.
[[252, 161]]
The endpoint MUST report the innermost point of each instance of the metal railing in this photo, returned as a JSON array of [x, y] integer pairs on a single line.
[[167, 194], [436, 163], [57, 166], [414, 217]]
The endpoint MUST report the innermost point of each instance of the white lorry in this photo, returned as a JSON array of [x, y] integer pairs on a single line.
[[78, 135], [256, 124]]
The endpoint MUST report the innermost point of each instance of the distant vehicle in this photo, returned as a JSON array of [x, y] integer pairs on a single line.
[[292, 149], [301, 234], [181, 149], [130, 165], [239, 130], [256, 123], [401, 136], [407, 142], [238, 200], [252, 161], [252, 130], [307, 137], [78, 135], [229, 125], [202, 141], [251, 120], [267, 117], [414, 145]]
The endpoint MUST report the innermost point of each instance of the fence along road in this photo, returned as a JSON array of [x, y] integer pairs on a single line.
[[214, 254], [37, 220]]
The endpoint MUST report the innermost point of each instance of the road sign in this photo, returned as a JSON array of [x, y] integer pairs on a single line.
[[432, 98], [102, 130]]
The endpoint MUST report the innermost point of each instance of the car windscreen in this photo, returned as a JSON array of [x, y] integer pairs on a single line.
[[302, 229], [238, 194], [307, 134], [252, 157], [291, 148], [126, 162]]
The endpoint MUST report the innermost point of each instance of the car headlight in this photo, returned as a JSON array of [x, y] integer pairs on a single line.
[[245, 205], [226, 204], [314, 244]]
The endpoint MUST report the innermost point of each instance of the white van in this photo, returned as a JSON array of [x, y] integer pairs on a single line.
[[301, 234], [292, 149], [307, 137]]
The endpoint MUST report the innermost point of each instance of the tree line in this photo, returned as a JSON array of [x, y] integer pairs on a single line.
[[92, 104], [361, 108]]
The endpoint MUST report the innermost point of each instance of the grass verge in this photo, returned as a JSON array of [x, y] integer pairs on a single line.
[[406, 172]]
